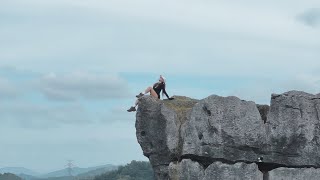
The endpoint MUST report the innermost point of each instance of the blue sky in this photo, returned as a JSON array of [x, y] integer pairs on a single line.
[[70, 68]]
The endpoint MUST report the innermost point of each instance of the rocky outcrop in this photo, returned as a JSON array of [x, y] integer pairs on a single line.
[[238, 171], [158, 130], [223, 128], [187, 169], [224, 137], [294, 174], [293, 129]]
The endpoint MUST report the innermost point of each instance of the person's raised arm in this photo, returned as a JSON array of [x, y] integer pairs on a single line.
[[165, 92]]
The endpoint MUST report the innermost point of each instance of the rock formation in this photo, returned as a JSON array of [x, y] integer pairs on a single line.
[[229, 138]]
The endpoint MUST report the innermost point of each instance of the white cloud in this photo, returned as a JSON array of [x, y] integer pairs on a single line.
[[7, 89], [261, 19], [82, 85], [206, 37], [260, 91], [87, 144], [309, 82], [42, 116], [310, 17]]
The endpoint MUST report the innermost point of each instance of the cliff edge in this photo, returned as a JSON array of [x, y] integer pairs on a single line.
[[229, 138]]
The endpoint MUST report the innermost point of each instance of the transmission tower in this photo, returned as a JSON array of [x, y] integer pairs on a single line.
[[70, 167]]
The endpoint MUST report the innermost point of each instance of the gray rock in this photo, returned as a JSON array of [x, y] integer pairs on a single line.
[[161, 172], [264, 111], [152, 134], [185, 138], [224, 128], [157, 130], [186, 170], [293, 129], [238, 171], [191, 170], [294, 174]]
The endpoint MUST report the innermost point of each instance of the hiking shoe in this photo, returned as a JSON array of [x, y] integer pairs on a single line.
[[139, 95], [132, 109]]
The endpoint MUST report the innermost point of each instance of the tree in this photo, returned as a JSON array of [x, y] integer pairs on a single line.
[[136, 170]]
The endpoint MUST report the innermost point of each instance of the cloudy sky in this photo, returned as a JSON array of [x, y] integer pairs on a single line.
[[69, 69]]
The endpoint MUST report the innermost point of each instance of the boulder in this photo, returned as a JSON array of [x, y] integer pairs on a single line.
[[294, 174], [293, 129], [238, 171], [158, 130], [226, 137], [186, 169], [192, 170], [224, 128]]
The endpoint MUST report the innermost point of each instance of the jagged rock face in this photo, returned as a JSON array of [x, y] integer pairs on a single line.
[[223, 137], [293, 129], [188, 169], [223, 128], [294, 174], [238, 171], [158, 131], [152, 134]]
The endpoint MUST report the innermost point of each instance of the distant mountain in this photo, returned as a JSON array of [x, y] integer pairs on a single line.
[[136, 170], [18, 170], [60, 178], [77, 171], [9, 176], [27, 177], [96, 172]]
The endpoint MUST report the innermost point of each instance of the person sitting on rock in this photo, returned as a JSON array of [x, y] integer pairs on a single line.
[[154, 91]]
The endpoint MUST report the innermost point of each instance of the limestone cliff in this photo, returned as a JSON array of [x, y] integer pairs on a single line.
[[224, 137]]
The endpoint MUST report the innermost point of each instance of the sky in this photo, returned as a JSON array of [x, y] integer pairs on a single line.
[[69, 69]]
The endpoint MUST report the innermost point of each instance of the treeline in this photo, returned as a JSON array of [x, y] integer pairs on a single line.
[[136, 170], [9, 176]]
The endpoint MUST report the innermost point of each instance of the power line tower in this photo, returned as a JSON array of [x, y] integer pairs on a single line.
[[70, 167]]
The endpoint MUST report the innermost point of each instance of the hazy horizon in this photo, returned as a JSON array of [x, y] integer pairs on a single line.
[[40, 173], [70, 69], [62, 168]]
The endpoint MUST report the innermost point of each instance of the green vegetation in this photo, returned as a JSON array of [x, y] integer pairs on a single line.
[[9, 176], [181, 105], [136, 170], [91, 174], [87, 173]]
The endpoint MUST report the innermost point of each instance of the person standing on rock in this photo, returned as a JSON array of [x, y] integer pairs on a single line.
[[154, 91]]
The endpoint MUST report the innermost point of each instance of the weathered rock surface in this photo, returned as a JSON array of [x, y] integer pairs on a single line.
[[190, 170], [223, 137], [294, 174], [264, 111], [186, 169], [238, 171], [158, 131], [223, 128], [293, 129]]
